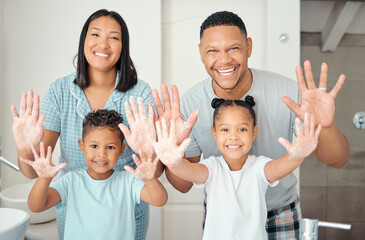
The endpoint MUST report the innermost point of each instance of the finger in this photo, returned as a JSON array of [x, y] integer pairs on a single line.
[[130, 169], [134, 108], [309, 75], [158, 104], [136, 160], [155, 160], [285, 143], [49, 154], [23, 104], [173, 131], [192, 118], [14, 112], [35, 153], [298, 128], [35, 110], [41, 120], [293, 106], [164, 129], [306, 124], [318, 131], [312, 126], [336, 89], [184, 145], [300, 79], [151, 113], [323, 76], [29, 103], [149, 157], [141, 110], [29, 162], [42, 151], [125, 131], [165, 97], [128, 113], [175, 99], [60, 166]]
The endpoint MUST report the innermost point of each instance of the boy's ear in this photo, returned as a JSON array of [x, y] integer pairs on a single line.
[[82, 146], [122, 149]]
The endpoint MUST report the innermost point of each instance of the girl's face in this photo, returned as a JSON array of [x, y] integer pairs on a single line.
[[234, 134], [103, 44]]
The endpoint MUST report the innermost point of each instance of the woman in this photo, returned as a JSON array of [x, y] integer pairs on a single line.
[[105, 78]]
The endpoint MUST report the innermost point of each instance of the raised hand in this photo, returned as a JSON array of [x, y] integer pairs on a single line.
[[42, 163], [27, 125], [169, 113], [307, 139], [141, 128], [167, 149], [146, 166], [316, 101]]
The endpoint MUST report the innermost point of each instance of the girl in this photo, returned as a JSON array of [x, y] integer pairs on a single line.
[[236, 182]]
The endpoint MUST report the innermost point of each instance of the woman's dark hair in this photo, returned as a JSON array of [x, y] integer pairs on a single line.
[[219, 104], [102, 118], [127, 71], [223, 18]]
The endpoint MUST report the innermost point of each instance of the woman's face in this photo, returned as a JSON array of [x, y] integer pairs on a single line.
[[103, 44]]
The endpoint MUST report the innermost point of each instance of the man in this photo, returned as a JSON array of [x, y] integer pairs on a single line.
[[225, 49]]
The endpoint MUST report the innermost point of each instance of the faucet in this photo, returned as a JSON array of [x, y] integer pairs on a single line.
[[309, 228], [7, 162]]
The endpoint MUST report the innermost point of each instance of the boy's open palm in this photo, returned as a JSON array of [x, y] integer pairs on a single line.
[[166, 148], [307, 139], [146, 166], [42, 163]]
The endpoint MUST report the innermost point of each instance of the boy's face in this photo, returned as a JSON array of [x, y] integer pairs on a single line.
[[234, 134], [102, 147]]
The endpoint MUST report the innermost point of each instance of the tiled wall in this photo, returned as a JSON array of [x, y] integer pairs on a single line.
[[338, 195]]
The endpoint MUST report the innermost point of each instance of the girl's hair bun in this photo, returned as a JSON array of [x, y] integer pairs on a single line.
[[216, 102], [249, 100]]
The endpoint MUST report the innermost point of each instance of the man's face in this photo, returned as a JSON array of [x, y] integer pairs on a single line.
[[225, 50]]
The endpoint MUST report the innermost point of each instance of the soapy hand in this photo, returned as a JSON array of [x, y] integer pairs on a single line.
[[166, 148], [42, 163], [27, 125], [172, 113], [142, 128], [146, 168], [307, 139]]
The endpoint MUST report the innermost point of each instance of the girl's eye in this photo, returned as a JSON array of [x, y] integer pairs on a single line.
[[243, 130], [224, 130]]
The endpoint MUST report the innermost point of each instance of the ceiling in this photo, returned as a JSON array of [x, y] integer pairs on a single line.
[[332, 20]]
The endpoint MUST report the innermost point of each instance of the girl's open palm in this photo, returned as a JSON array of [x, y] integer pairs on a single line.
[[166, 148], [146, 166], [307, 139], [27, 125], [42, 163]]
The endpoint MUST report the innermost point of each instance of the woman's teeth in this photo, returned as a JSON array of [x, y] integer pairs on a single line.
[[101, 54]]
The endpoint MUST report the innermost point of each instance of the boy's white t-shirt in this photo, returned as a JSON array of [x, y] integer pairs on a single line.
[[236, 207]]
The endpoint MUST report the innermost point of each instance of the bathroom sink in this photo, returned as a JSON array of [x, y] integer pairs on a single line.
[[17, 197], [13, 224]]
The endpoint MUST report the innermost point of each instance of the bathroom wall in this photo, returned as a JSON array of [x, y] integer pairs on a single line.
[[337, 195]]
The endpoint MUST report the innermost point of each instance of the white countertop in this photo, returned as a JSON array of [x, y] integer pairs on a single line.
[[48, 230]]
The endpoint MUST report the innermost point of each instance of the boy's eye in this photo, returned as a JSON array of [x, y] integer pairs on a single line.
[[94, 146], [110, 147], [224, 130]]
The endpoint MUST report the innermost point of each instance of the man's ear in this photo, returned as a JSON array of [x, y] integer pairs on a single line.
[[201, 52], [249, 47], [82, 146]]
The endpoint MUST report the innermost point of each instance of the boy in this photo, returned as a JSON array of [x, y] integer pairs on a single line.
[[100, 202]]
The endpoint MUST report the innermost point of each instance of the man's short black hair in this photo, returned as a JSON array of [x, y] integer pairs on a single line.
[[223, 18], [102, 118]]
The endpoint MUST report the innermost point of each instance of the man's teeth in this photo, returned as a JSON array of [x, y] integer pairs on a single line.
[[226, 72], [233, 147], [101, 54]]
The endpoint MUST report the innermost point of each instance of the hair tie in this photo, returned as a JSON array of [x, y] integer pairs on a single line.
[[249, 100], [216, 102]]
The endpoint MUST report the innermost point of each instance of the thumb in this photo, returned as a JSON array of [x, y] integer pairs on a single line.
[[291, 105], [125, 131]]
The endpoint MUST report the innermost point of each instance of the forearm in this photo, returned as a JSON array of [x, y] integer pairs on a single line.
[[37, 199], [333, 148], [178, 183], [26, 169], [281, 167], [156, 191], [191, 172]]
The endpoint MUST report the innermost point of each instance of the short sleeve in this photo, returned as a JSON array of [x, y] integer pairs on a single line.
[[260, 163], [211, 164], [50, 106], [136, 187], [61, 186]]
